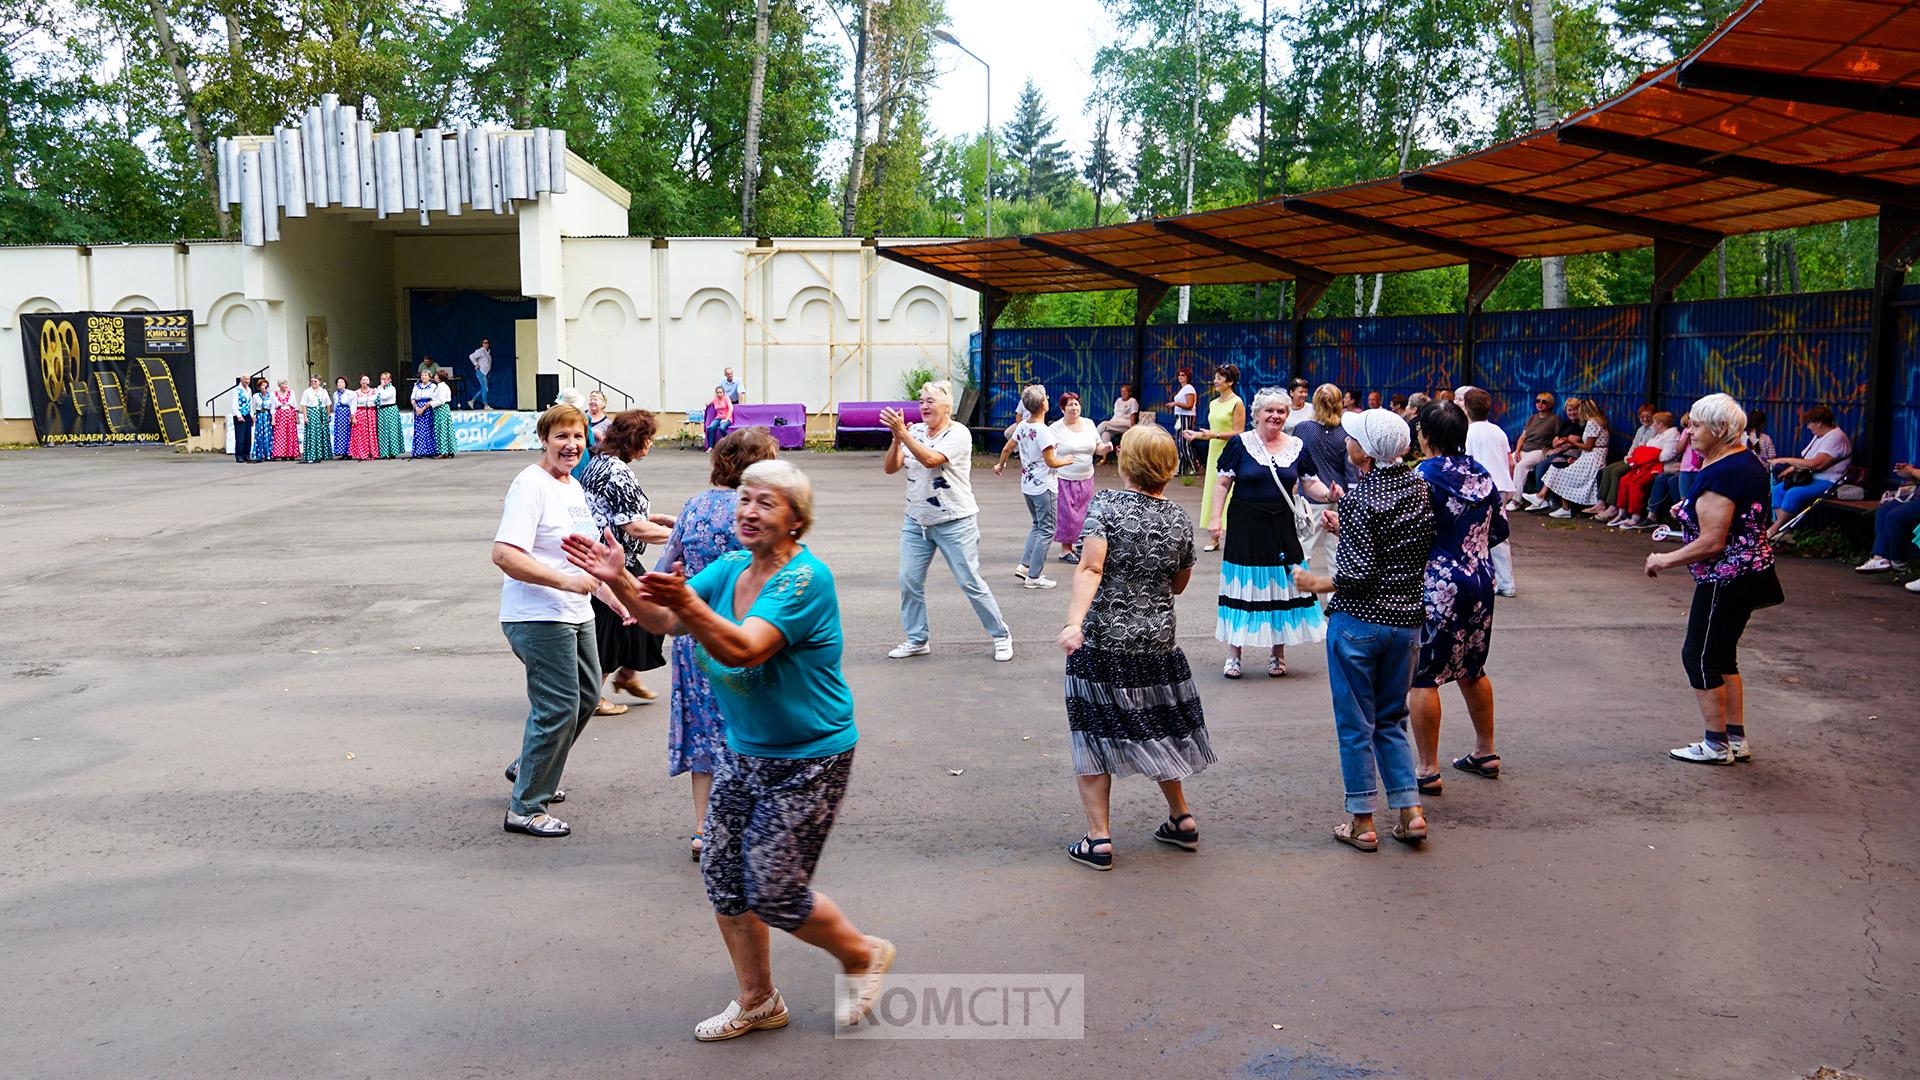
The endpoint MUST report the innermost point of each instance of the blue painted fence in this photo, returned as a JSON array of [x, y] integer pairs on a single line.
[[1778, 353]]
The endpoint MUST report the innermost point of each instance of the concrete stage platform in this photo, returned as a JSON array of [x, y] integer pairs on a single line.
[[254, 721]]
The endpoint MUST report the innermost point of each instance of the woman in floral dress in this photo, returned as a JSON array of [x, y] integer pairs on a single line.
[[286, 423], [1458, 594], [262, 421], [702, 533]]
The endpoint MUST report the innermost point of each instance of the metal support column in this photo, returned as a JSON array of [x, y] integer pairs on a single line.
[[1672, 262], [1482, 279], [992, 303], [1145, 300], [1306, 294], [1899, 244]]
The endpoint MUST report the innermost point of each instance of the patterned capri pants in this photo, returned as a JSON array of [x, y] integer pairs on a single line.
[[767, 820]]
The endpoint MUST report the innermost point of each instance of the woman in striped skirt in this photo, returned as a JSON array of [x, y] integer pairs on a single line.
[[442, 415], [1259, 605], [423, 441], [1131, 702], [342, 417], [316, 443]]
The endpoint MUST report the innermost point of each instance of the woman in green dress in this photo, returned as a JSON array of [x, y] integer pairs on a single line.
[[1226, 417]]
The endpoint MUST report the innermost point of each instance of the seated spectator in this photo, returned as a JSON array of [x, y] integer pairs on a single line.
[[1126, 410], [1607, 509], [1349, 403], [1798, 481], [1373, 399], [719, 416], [1646, 464], [1577, 483], [1758, 440], [1536, 441], [1894, 524]]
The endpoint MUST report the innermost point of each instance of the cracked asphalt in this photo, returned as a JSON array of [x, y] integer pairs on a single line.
[[254, 718]]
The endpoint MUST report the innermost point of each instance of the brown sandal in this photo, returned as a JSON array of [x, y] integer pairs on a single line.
[[1406, 833], [633, 686], [608, 708], [1343, 832]]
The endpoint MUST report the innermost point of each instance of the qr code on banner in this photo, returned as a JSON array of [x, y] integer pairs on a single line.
[[106, 336]]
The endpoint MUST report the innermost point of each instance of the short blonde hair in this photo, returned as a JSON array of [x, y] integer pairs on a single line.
[[787, 479], [942, 391], [559, 416], [1148, 457], [1327, 403], [1722, 416]]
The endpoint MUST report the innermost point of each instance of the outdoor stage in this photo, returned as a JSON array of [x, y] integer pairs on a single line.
[[255, 725]]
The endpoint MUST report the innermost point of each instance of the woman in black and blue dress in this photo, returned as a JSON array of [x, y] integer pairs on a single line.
[[1131, 703], [342, 417], [424, 443], [1458, 594], [262, 422]]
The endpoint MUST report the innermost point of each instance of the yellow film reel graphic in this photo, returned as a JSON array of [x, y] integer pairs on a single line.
[[61, 369]]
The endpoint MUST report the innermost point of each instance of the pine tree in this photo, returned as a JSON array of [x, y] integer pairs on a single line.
[[1038, 163]]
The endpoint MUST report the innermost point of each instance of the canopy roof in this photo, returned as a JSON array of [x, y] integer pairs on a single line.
[[1795, 112]]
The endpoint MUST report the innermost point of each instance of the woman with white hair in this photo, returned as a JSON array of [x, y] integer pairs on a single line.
[[942, 516], [1038, 482], [1259, 606], [1723, 521], [768, 623], [1385, 522]]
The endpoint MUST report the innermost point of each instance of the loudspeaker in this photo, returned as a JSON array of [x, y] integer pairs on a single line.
[[546, 390]]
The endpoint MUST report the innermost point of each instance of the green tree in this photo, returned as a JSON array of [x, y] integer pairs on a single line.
[[1037, 165]]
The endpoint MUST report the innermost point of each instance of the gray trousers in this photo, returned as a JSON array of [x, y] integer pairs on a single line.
[[563, 687]]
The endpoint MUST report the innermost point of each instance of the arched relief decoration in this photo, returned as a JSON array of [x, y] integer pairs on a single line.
[[37, 305], [715, 312], [135, 302], [924, 313], [813, 294], [237, 318], [606, 293]]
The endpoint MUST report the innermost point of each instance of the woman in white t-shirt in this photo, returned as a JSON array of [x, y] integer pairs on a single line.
[[1038, 460], [1826, 457], [1183, 403], [1126, 412], [547, 616], [1076, 439]]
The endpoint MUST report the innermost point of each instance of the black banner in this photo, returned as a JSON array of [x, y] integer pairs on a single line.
[[111, 376]]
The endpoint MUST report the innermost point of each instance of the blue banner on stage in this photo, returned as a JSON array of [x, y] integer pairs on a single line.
[[485, 429]]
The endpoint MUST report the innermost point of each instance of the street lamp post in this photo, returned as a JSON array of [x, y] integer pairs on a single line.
[[955, 42]]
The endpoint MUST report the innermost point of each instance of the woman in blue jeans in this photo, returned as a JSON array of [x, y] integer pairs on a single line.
[[1894, 524], [1385, 525], [1826, 456], [547, 615]]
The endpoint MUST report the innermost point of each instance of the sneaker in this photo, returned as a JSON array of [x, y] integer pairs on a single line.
[[1071, 558], [1913, 586], [736, 1021], [535, 824], [1534, 502], [1703, 753], [1875, 565], [1041, 581], [1509, 593], [1020, 572], [909, 648], [1742, 750], [1563, 514], [1003, 648]]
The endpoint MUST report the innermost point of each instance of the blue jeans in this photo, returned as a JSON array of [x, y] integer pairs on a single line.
[[1041, 509], [959, 541], [563, 686], [1893, 525], [1370, 670], [1795, 499]]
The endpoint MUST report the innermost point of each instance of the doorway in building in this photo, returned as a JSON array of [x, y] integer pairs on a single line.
[[448, 325]]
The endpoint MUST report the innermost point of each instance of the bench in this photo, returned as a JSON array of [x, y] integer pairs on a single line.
[[787, 423], [861, 419]]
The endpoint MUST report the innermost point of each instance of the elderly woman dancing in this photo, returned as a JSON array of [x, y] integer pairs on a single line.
[[1259, 605], [1385, 523], [768, 624], [1458, 593], [1131, 702]]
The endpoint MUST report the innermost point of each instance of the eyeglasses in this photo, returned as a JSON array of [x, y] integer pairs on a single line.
[[1545, 403]]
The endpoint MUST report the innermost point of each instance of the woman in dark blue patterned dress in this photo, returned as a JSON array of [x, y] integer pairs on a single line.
[[1131, 702], [1458, 594], [703, 532]]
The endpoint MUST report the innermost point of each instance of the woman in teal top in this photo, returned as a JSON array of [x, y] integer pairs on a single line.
[[768, 625]]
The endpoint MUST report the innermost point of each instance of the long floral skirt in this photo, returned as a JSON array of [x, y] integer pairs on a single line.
[[362, 444], [317, 446], [443, 429], [1135, 713], [694, 726], [423, 442], [286, 434]]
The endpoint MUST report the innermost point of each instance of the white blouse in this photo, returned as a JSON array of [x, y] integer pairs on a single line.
[[1079, 445], [311, 398]]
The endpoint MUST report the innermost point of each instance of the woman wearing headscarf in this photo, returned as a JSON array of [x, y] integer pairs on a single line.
[[1458, 592], [1226, 417], [286, 423], [1258, 603], [424, 445], [342, 417], [316, 443], [703, 532], [1385, 524]]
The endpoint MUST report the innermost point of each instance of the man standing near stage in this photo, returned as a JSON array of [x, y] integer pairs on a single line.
[[733, 387], [240, 430], [482, 360], [387, 423]]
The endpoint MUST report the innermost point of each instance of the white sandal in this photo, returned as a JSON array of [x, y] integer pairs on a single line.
[[863, 989], [737, 1021], [1231, 669]]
